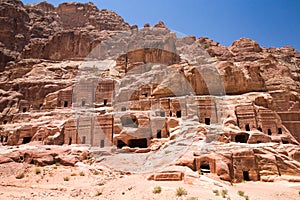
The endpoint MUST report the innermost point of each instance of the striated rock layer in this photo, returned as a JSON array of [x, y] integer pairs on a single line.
[[74, 74]]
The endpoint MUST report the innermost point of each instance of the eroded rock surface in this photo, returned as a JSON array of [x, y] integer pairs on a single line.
[[74, 74]]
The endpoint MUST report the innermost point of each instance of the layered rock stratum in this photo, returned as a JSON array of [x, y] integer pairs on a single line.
[[154, 102]]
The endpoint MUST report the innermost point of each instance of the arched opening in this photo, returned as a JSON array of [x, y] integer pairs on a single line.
[[158, 134], [204, 167], [141, 143], [170, 114], [178, 114], [279, 130], [26, 140], [207, 121], [24, 110], [260, 129], [242, 138], [1, 139], [246, 176], [162, 114], [120, 144], [247, 127], [269, 132], [83, 103], [105, 102], [123, 109], [5, 139], [258, 142], [4, 121]]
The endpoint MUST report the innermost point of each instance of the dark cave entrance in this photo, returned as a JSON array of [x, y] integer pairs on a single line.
[[178, 114], [285, 142], [242, 138], [207, 121], [141, 143], [70, 141], [247, 127], [66, 104], [120, 144], [246, 176], [204, 167], [26, 140], [269, 132], [158, 134]]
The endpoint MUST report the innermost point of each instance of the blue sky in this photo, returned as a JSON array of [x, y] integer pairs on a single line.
[[272, 23]]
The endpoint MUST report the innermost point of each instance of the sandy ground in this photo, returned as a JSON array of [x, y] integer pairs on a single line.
[[97, 182]]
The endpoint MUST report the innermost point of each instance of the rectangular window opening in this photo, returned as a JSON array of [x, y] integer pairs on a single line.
[[246, 176], [247, 127], [83, 139], [158, 134], [65, 104], [207, 121], [269, 132], [101, 143], [178, 114]]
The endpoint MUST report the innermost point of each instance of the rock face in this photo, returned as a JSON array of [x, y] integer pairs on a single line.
[[74, 74], [38, 30]]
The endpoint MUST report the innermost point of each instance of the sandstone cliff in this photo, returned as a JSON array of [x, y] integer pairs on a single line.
[[74, 74]]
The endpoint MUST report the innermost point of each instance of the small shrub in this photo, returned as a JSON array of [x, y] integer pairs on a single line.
[[241, 193], [216, 192], [205, 46], [101, 183], [73, 174], [224, 193], [66, 178], [57, 164], [181, 191], [20, 176], [38, 171], [81, 174], [167, 151], [246, 197], [156, 190]]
